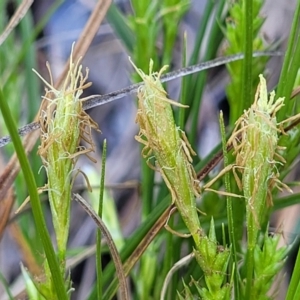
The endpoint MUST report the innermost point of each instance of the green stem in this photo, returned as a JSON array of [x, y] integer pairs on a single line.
[[248, 49], [147, 188], [252, 235], [183, 98], [295, 281], [230, 217], [286, 77], [98, 238], [187, 81], [212, 46], [57, 277]]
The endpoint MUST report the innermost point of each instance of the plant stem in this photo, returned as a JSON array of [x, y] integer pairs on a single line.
[[231, 225], [56, 277], [295, 281], [248, 50], [98, 238]]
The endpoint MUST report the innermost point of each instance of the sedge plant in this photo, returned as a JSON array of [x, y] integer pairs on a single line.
[[63, 125], [255, 142], [226, 265]]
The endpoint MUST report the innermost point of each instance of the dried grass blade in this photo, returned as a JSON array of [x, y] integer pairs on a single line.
[[15, 19]]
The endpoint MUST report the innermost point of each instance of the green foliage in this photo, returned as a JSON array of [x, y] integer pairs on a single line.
[[213, 260], [235, 34], [268, 262], [147, 22], [56, 279]]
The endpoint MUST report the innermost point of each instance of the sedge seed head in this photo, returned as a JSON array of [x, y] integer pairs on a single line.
[[164, 141], [255, 144], [64, 122]]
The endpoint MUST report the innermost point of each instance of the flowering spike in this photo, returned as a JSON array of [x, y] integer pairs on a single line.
[[61, 132], [255, 144], [171, 149]]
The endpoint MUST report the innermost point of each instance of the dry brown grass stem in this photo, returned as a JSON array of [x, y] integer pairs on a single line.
[[12, 168]]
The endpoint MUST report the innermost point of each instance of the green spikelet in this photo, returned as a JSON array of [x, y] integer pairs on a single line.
[[170, 147]]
